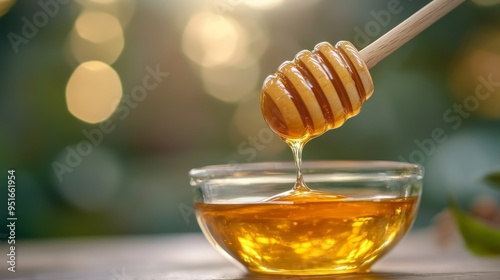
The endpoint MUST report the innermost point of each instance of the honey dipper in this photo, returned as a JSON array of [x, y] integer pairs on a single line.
[[320, 90]]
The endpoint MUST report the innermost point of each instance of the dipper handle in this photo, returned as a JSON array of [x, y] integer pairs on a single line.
[[406, 30], [320, 89]]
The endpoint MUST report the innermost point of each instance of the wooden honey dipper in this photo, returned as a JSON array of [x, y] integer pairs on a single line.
[[320, 90]]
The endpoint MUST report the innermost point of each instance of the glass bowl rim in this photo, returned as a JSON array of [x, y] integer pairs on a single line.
[[210, 172]]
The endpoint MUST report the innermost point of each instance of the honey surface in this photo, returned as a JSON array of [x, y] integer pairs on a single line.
[[295, 234]]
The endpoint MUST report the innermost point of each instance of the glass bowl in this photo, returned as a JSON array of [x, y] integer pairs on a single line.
[[357, 211]]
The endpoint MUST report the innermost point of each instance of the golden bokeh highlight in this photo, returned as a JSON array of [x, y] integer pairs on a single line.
[[5, 6], [98, 27], [227, 56], [476, 74], [212, 40], [93, 92], [231, 83], [90, 41], [123, 10]]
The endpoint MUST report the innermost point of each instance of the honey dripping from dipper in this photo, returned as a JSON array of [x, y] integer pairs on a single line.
[[316, 92]]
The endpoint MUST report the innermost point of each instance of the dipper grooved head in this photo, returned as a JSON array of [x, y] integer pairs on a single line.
[[316, 92]]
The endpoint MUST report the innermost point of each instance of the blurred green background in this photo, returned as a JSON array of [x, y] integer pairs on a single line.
[[105, 105]]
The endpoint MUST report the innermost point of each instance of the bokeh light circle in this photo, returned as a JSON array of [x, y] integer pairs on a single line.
[[211, 40], [93, 91]]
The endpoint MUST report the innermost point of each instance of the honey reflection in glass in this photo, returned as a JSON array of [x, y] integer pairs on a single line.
[[315, 235]]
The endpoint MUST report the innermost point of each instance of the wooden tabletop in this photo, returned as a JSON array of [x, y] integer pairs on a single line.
[[190, 256]]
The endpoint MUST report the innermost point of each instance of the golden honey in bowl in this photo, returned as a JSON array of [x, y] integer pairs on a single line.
[[316, 235]]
